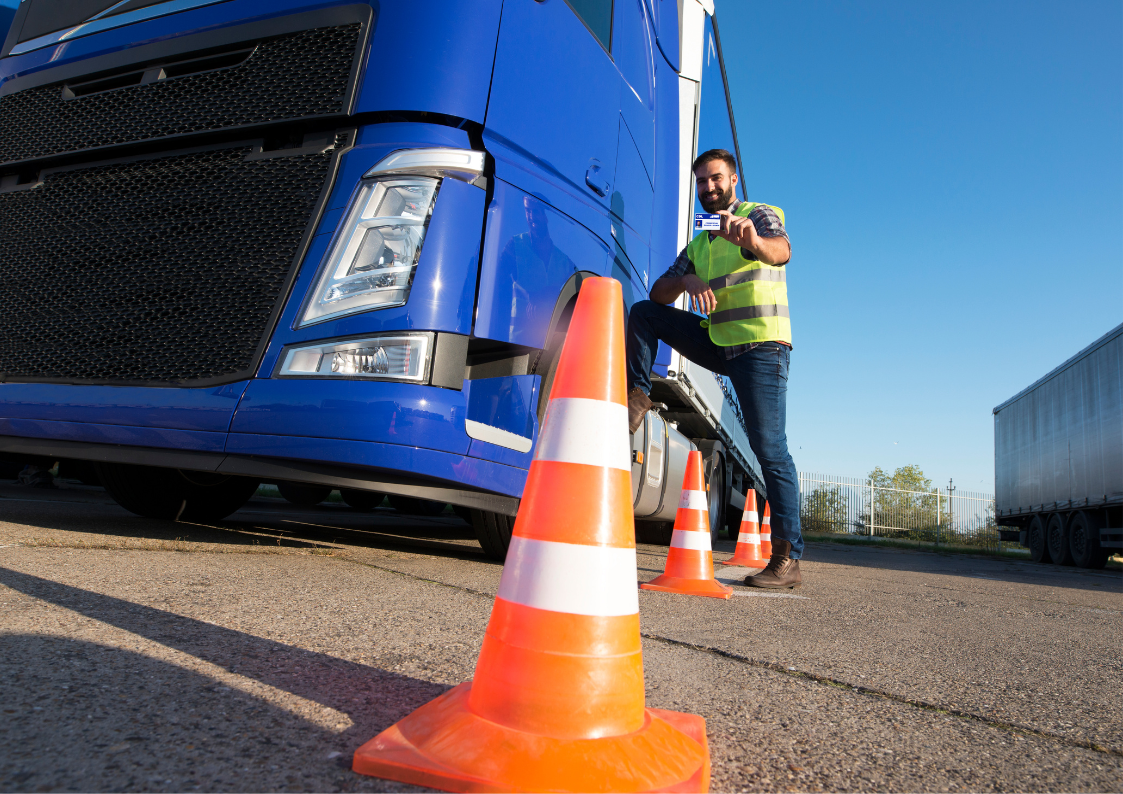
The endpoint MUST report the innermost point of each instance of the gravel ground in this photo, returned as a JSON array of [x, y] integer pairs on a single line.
[[258, 653]]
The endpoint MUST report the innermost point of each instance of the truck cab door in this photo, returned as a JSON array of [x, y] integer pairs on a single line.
[[552, 119]]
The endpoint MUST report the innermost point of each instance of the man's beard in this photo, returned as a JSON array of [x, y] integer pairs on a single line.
[[722, 202]]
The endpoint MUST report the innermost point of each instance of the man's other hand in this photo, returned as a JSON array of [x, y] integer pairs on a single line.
[[702, 298], [667, 290]]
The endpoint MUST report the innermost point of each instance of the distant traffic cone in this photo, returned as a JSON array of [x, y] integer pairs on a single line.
[[747, 552], [766, 533], [690, 560], [557, 703]]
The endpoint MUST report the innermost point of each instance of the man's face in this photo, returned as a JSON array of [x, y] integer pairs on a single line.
[[715, 182]]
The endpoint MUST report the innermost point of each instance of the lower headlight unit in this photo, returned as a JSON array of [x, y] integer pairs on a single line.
[[403, 357]]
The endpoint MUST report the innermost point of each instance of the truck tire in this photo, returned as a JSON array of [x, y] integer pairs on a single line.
[[361, 500], [493, 531], [155, 492], [303, 494], [407, 505], [1056, 533], [1036, 540], [1084, 541], [715, 484]]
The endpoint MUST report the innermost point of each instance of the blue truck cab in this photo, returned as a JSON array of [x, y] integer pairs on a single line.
[[337, 243]]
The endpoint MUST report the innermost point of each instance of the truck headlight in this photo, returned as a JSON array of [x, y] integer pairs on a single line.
[[386, 357], [373, 261]]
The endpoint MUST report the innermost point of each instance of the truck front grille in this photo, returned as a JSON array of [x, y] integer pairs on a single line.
[[298, 76], [163, 270]]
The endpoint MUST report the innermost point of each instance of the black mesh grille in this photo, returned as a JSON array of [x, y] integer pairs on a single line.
[[289, 77], [157, 270]]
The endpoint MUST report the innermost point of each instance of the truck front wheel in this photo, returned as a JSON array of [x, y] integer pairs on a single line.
[[155, 492], [1038, 547], [493, 531], [1084, 541]]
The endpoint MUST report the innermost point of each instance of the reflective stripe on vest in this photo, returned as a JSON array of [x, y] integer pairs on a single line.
[[752, 297]]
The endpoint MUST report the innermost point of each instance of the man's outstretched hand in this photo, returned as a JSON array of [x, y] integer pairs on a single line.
[[742, 233]]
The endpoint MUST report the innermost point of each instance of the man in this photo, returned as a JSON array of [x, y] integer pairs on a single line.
[[736, 277]]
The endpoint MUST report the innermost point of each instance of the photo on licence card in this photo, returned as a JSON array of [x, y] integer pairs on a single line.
[[704, 221]]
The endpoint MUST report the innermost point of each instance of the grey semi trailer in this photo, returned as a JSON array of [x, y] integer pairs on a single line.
[[1058, 459]]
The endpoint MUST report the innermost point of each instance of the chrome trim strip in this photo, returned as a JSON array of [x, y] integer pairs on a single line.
[[467, 165], [99, 23], [497, 436]]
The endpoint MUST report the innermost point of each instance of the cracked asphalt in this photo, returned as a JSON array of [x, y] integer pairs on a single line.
[[257, 653]]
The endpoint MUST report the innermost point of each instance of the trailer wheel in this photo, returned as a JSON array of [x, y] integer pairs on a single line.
[[155, 492], [1056, 532], [1035, 539], [303, 494], [361, 500], [493, 531], [1084, 541]]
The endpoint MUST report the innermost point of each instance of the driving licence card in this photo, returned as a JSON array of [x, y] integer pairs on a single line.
[[703, 221]]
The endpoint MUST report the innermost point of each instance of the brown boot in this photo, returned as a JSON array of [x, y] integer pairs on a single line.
[[638, 406], [781, 572]]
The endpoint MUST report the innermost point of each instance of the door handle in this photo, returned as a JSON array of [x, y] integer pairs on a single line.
[[595, 181]]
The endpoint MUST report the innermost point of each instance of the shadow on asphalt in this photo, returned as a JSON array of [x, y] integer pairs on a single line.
[[1001, 569], [81, 697], [261, 522]]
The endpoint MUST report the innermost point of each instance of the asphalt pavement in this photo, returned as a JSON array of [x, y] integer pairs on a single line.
[[256, 654]]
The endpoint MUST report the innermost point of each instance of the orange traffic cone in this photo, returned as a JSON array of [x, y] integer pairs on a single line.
[[690, 560], [557, 703], [766, 534], [747, 552]]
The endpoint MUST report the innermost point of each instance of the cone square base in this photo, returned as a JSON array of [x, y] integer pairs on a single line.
[[444, 745], [711, 588], [745, 562]]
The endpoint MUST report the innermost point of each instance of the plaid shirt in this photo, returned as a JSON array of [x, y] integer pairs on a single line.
[[768, 224]]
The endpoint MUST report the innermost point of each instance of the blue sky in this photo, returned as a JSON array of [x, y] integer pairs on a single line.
[[952, 176]]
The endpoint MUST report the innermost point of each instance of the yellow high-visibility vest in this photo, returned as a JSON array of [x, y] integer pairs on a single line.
[[752, 297]]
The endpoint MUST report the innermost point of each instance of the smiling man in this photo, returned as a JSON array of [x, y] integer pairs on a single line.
[[736, 277]]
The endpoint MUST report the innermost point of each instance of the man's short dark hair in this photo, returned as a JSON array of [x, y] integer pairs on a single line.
[[716, 154]]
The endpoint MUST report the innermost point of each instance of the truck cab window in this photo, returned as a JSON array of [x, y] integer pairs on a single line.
[[597, 16], [716, 129]]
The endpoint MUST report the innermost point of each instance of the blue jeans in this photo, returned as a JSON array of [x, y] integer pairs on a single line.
[[760, 378]]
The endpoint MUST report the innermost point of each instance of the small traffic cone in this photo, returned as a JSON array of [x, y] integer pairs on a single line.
[[690, 560], [557, 702], [766, 534], [747, 553]]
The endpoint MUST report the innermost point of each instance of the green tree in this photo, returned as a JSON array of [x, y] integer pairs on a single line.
[[825, 510], [906, 505]]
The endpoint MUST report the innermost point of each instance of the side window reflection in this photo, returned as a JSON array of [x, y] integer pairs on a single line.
[[597, 16]]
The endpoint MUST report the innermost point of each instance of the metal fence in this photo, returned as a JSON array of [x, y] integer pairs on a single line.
[[855, 506]]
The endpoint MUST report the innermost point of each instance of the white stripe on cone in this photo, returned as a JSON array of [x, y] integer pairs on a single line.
[[752, 538], [751, 516], [767, 520], [571, 578], [766, 536], [694, 500], [579, 430], [686, 539]]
